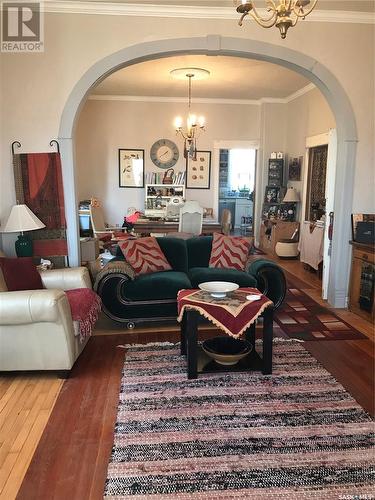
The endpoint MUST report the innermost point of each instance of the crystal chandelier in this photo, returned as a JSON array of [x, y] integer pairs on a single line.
[[194, 124], [283, 15]]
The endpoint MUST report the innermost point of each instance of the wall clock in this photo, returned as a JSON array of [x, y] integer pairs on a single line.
[[164, 153]]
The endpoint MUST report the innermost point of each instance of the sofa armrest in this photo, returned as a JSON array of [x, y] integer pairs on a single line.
[[119, 267], [33, 306], [270, 279], [67, 278]]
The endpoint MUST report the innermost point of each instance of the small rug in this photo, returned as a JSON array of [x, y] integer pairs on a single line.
[[302, 318], [296, 434]]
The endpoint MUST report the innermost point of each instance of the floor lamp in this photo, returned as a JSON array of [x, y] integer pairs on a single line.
[[22, 219]]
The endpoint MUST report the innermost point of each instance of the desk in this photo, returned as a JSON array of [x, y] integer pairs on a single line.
[[165, 227]]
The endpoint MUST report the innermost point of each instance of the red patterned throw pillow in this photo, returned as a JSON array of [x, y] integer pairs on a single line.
[[229, 252], [144, 255]]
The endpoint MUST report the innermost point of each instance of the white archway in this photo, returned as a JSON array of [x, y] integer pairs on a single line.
[[239, 47]]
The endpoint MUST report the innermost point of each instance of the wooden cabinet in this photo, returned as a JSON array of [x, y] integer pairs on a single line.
[[272, 231], [362, 277]]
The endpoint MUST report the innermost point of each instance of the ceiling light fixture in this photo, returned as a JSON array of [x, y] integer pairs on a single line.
[[194, 124], [282, 13]]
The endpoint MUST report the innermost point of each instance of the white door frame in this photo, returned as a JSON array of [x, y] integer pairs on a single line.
[[329, 138], [216, 44]]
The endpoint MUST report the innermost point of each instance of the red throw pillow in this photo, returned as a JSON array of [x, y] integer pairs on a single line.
[[20, 274], [144, 255], [229, 252]]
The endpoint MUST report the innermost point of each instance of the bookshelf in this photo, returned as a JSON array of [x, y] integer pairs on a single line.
[[157, 197]]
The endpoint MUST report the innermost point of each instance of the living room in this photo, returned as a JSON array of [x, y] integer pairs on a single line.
[[60, 100]]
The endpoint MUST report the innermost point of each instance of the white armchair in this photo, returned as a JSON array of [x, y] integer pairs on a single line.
[[36, 327]]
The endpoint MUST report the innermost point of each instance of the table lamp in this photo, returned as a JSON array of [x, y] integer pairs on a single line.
[[22, 219], [291, 198]]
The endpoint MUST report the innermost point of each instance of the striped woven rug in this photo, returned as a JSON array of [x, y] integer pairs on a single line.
[[294, 435]]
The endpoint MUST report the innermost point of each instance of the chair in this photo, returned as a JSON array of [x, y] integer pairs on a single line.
[[226, 221], [37, 331], [105, 234], [191, 218]]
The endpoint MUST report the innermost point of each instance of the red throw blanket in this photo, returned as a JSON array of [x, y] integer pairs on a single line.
[[85, 306]]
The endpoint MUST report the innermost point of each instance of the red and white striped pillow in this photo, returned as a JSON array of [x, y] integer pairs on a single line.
[[229, 252], [144, 255]]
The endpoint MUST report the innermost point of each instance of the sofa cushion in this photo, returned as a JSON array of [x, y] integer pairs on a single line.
[[156, 286], [20, 274], [175, 251], [199, 251], [229, 252], [144, 255], [201, 274]]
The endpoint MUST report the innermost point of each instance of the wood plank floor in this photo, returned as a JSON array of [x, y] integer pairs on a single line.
[[71, 462]]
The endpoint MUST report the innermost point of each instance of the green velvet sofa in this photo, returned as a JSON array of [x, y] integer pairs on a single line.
[[152, 297]]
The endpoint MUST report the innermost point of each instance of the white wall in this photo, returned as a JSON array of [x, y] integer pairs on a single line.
[[106, 126]]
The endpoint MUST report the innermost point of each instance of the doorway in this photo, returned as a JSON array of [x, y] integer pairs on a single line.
[[237, 170]]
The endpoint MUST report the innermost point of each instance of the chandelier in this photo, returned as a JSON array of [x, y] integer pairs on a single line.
[[194, 124], [283, 15]]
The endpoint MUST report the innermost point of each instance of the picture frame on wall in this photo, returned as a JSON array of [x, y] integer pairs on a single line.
[[198, 172], [275, 171], [272, 194], [131, 168], [295, 167]]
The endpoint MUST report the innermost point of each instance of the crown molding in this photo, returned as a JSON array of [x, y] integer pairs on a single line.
[[185, 11], [200, 100]]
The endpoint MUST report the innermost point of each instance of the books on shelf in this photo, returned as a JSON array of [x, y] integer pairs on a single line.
[[157, 177]]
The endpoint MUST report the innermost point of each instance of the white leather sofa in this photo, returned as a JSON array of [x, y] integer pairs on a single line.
[[36, 327]]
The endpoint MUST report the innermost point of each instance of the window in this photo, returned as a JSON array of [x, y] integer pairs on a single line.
[[241, 167]]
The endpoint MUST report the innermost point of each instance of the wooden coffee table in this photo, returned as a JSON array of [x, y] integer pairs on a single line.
[[199, 362]]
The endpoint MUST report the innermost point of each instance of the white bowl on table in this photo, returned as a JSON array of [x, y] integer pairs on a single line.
[[218, 289]]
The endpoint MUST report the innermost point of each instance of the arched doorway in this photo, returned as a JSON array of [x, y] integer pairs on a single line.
[[239, 47]]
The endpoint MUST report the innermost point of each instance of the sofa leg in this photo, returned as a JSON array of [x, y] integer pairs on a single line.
[[64, 374]]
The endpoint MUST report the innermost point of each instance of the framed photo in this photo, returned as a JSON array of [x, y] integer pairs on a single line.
[[360, 218], [295, 167], [275, 172], [131, 168], [272, 194], [270, 211], [198, 172]]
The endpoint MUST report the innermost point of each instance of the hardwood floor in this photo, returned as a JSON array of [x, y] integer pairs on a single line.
[[71, 458]]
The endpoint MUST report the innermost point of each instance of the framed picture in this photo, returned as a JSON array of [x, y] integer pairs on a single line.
[[198, 172], [272, 194], [295, 166], [270, 211], [275, 172], [131, 168]]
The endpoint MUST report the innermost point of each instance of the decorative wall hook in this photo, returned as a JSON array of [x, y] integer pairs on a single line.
[[15, 143], [57, 145]]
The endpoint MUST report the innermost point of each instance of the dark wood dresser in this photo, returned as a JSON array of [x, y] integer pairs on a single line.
[[362, 277]]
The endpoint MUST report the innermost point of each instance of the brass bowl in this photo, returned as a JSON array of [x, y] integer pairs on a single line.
[[226, 351]]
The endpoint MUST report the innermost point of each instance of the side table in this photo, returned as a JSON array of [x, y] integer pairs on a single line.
[[197, 360]]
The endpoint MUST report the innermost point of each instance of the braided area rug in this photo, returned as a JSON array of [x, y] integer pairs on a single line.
[[294, 435]]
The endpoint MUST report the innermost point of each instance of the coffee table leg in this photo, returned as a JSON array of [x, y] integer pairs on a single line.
[[267, 340], [183, 334], [191, 334]]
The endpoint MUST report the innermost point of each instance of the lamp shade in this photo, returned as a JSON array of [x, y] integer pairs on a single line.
[[21, 218], [291, 196]]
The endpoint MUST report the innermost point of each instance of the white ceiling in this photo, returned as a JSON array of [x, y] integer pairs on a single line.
[[230, 78], [344, 5]]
